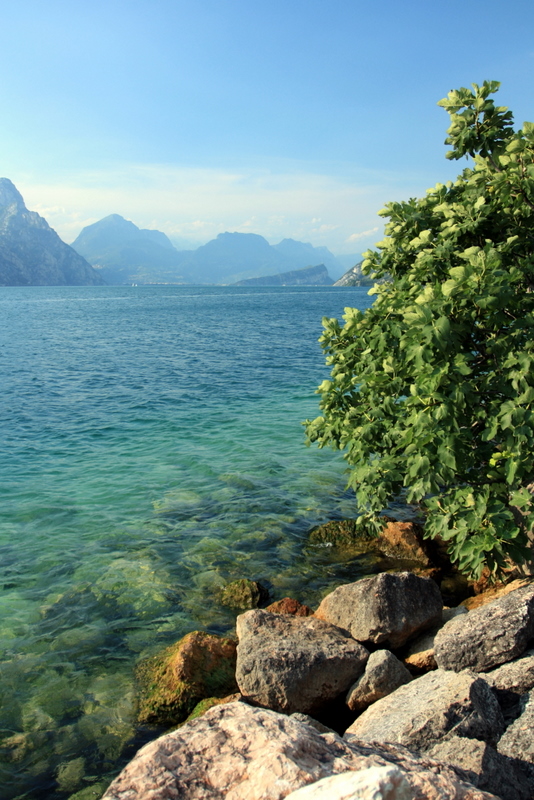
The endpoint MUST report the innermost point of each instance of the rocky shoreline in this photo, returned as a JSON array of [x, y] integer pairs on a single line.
[[382, 693]]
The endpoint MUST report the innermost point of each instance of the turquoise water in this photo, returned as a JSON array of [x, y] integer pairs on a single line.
[[151, 452]]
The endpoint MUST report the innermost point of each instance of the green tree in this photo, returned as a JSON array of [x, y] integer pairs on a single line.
[[432, 388]]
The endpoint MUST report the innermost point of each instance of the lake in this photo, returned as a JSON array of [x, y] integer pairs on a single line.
[[152, 451]]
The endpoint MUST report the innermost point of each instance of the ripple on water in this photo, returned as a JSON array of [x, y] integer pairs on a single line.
[[153, 453]]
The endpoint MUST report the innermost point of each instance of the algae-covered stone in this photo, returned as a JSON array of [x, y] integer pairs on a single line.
[[209, 702], [70, 774], [172, 683], [339, 533], [244, 594]]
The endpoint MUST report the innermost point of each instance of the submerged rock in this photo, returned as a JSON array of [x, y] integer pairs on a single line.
[[244, 594], [172, 683], [387, 609], [290, 664]]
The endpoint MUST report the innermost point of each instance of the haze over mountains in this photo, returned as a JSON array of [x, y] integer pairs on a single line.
[[123, 253], [115, 251]]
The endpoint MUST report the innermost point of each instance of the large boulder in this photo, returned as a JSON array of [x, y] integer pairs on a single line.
[[488, 636], [290, 663], [237, 752], [172, 682], [487, 769], [421, 713], [383, 674], [387, 609]]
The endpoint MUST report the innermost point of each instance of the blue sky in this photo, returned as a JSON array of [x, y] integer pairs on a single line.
[[290, 119]]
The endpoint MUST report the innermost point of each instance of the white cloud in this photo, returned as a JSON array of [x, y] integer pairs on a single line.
[[200, 203], [363, 235]]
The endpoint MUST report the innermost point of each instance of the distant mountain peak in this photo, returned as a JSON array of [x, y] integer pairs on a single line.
[[9, 195]]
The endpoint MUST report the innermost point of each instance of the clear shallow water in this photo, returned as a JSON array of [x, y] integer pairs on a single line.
[[151, 451]]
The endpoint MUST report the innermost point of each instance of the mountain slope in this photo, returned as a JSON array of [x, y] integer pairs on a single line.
[[308, 276], [124, 253], [31, 253]]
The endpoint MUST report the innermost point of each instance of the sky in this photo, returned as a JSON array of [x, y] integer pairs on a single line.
[[293, 118]]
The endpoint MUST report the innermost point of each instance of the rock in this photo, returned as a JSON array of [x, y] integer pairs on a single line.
[[375, 783], [515, 676], [403, 540], [387, 609], [244, 594], [383, 674], [209, 702], [289, 663], [173, 682], [311, 721], [420, 655], [488, 636], [491, 593], [518, 741], [237, 752], [339, 533], [421, 713], [289, 606], [487, 769]]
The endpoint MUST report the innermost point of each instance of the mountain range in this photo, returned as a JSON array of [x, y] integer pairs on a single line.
[[123, 253], [115, 251], [31, 253]]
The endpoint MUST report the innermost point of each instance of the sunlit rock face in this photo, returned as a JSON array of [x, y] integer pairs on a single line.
[[31, 253]]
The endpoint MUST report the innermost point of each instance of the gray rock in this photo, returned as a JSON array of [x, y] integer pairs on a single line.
[[383, 674], [516, 676], [421, 713], [488, 636], [376, 783], [289, 663], [487, 769], [239, 752], [387, 609], [518, 741], [420, 655]]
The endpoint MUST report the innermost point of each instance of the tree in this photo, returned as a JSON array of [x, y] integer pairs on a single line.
[[432, 388]]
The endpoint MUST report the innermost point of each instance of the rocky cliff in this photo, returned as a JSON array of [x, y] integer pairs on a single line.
[[31, 253]]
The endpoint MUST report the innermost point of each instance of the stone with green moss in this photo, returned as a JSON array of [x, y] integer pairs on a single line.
[[173, 682], [244, 594]]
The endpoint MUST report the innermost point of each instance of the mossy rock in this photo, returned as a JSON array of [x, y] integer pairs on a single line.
[[244, 594], [173, 682], [339, 533], [208, 703]]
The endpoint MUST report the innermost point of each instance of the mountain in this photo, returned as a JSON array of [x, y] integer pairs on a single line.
[[308, 276], [31, 253], [233, 257], [355, 277], [124, 253], [300, 254]]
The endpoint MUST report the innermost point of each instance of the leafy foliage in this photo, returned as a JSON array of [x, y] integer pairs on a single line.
[[432, 388]]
